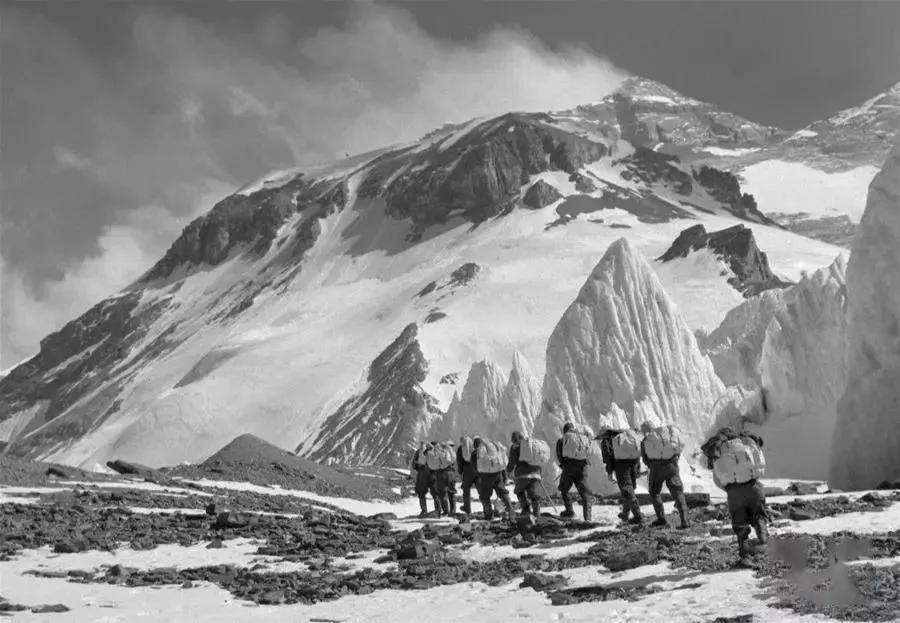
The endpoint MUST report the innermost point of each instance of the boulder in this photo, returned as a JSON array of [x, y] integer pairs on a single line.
[[543, 582], [133, 469], [802, 488], [631, 558]]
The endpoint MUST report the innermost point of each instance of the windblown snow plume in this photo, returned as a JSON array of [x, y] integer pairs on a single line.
[[791, 344], [622, 347], [867, 438]]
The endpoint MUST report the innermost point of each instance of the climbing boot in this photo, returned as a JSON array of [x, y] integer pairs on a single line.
[[660, 515], [586, 511], [488, 510], [423, 507], [535, 508], [762, 530], [683, 516]]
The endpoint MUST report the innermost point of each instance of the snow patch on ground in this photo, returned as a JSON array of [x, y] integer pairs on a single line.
[[724, 151]]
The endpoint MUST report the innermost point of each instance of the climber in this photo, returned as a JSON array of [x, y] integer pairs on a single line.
[[441, 458], [661, 449], [490, 465], [738, 462], [621, 451], [465, 466], [423, 478], [526, 475], [571, 453]]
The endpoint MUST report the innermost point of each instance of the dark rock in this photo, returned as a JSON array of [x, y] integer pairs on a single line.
[[384, 516], [417, 549], [232, 519], [583, 184], [740, 618], [802, 488], [631, 558], [465, 274], [133, 469], [561, 598], [798, 514], [542, 582], [450, 378], [211, 509], [60, 472], [724, 187], [187, 584], [434, 316], [69, 546], [888, 485], [215, 544], [540, 194], [735, 245], [696, 499], [272, 597], [428, 289], [650, 167], [46, 609]]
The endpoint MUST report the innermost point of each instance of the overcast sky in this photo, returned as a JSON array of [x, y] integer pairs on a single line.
[[122, 121]]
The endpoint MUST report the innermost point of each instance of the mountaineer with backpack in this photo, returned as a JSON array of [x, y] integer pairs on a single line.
[[661, 450], [526, 455], [490, 465], [424, 480], [440, 462], [572, 451], [738, 462], [465, 466], [621, 451]]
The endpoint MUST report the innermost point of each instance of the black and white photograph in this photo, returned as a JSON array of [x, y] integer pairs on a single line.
[[375, 311]]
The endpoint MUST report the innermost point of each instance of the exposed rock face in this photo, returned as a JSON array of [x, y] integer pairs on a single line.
[[479, 175], [723, 186], [478, 410], [540, 194], [737, 246], [648, 113], [621, 347], [72, 363], [380, 425], [651, 167], [244, 219], [792, 343], [867, 438], [521, 400]]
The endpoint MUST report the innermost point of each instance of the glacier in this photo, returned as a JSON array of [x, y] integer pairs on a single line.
[[866, 448]]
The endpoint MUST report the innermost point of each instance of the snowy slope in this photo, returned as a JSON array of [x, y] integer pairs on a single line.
[[266, 315], [867, 438]]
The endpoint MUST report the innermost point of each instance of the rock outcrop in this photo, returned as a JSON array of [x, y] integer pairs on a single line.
[[520, 402], [380, 425], [653, 167], [621, 347], [724, 187], [866, 446], [477, 175], [540, 194], [793, 344], [737, 247]]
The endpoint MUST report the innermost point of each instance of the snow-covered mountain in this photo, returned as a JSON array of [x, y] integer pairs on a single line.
[[866, 447], [340, 308]]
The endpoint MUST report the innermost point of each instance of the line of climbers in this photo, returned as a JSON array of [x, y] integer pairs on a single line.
[[736, 459]]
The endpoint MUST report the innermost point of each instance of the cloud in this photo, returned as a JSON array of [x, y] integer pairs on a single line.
[[106, 160]]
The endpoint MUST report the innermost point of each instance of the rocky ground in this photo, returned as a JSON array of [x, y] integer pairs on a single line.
[[273, 546]]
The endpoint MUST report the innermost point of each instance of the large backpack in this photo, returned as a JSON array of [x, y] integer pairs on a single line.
[[626, 445], [534, 452], [576, 445], [740, 460], [467, 447], [663, 442], [421, 457], [440, 457], [490, 458]]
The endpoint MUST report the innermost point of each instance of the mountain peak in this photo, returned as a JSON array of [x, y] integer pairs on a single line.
[[645, 89]]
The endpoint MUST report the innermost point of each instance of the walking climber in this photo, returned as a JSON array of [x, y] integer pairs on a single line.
[[490, 463], [526, 455], [738, 462], [424, 484], [621, 450], [572, 451], [465, 466], [661, 449], [441, 459]]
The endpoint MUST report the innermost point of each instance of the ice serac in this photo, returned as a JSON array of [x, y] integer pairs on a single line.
[[380, 425], [793, 344], [866, 446], [621, 346], [477, 411], [521, 400]]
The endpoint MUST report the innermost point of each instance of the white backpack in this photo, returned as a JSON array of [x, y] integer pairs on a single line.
[[626, 445], [576, 445], [663, 442], [491, 457], [465, 443], [440, 457], [534, 452], [740, 460]]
